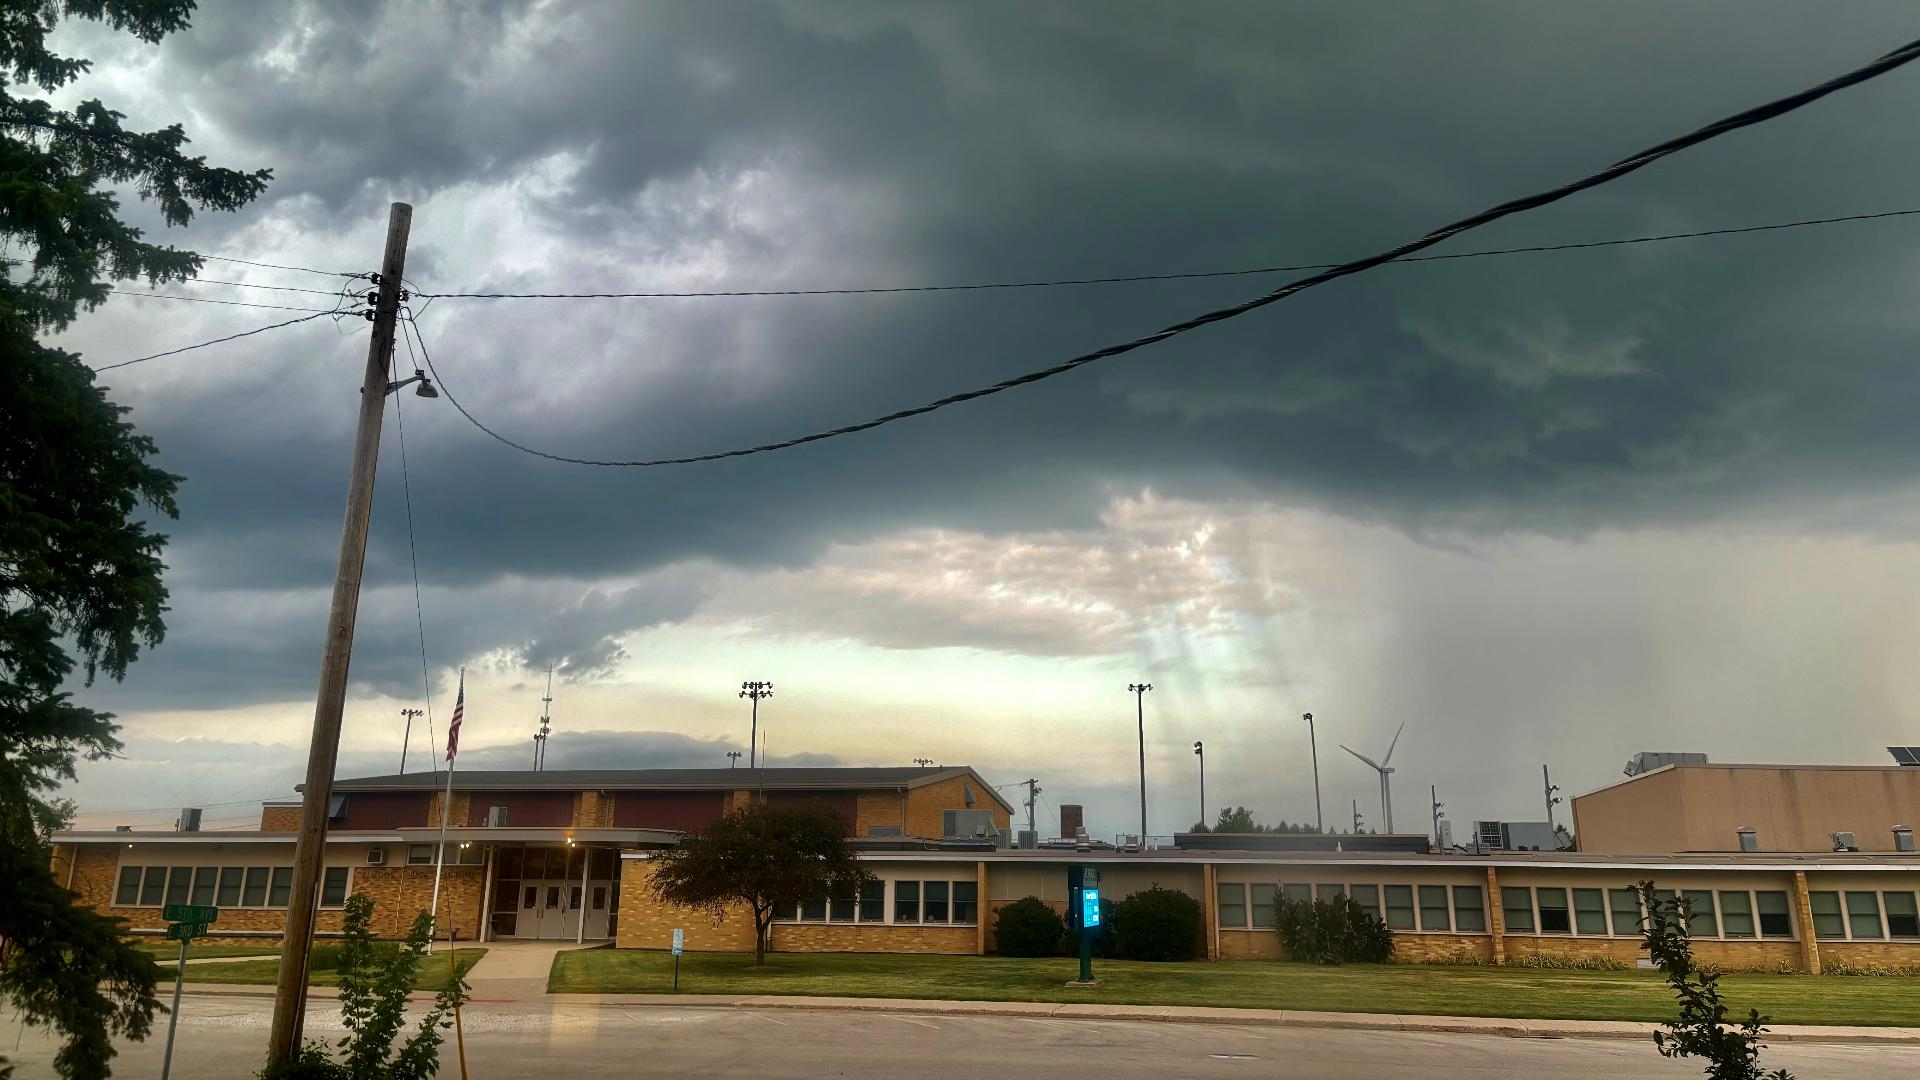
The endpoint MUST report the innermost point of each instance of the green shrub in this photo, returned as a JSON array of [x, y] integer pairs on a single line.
[[1842, 967], [327, 957], [1028, 927], [1336, 931], [312, 1063], [1158, 925]]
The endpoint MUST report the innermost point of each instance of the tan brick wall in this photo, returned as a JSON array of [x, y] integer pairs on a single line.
[[397, 892], [1497, 914], [645, 923], [1871, 953], [1408, 948], [1803, 918], [847, 937], [461, 804], [279, 819], [593, 810], [924, 804], [883, 808]]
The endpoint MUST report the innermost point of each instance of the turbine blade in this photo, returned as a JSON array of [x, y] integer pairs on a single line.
[[1394, 743], [1370, 762]]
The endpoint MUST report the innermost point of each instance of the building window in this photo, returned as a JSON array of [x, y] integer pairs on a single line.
[[1328, 893], [282, 886], [153, 886], [1263, 898], [966, 901], [1903, 918], [1704, 924], [1589, 912], [1827, 920], [813, 910], [1296, 893], [230, 877], [256, 890], [599, 898], [934, 902], [204, 879], [1368, 897], [1469, 910], [419, 854], [1553, 911], [1433, 908], [840, 908], [1232, 899], [1624, 905], [1400, 907], [1736, 914], [906, 901], [179, 884], [333, 886], [1516, 909], [128, 893], [1863, 915], [1774, 921], [873, 906]]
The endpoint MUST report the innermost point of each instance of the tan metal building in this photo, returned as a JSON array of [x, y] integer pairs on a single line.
[[1789, 808]]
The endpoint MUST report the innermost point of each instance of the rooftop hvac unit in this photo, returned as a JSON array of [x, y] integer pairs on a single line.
[[1843, 841], [189, 820], [1027, 840], [1902, 838], [377, 856], [496, 817]]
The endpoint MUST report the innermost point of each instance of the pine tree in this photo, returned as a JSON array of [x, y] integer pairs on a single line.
[[78, 567]]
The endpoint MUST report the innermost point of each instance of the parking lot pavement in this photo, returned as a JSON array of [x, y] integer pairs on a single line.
[[223, 1038]]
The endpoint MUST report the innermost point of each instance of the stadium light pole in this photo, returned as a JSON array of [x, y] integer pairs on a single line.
[[1139, 691], [755, 691], [1201, 753], [1313, 745]]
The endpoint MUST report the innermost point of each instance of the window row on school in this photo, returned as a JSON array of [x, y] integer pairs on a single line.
[[1725, 914], [899, 903], [221, 886]]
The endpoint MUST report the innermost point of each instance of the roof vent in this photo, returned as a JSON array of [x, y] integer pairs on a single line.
[[1749, 839], [1843, 841], [1903, 838], [123, 828]]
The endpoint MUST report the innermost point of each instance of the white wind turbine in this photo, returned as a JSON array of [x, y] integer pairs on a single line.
[[1386, 775]]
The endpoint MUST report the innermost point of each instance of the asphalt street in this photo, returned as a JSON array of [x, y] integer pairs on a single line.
[[223, 1037]]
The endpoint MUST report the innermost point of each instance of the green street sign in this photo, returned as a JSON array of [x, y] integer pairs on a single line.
[[198, 913], [185, 931]]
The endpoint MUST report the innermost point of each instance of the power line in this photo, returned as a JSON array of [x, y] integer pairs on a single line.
[[252, 285], [413, 557], [1055, 282], [226, 303], [1630, 164], [215, 341]]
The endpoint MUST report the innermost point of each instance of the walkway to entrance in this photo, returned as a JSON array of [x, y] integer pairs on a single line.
[[516, 970]]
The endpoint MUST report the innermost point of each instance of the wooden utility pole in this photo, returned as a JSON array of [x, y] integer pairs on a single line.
[[290, 997]]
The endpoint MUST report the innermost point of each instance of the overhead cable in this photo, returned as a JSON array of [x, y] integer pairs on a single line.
[[211, 300], [215, 341], [1248, 272], [1881, 66]]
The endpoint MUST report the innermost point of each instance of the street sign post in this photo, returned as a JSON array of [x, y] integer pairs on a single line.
[[1083, 912], [184, 923], [679, 946]]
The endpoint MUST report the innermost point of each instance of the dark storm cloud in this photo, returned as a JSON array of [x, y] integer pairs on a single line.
[[585, 147]]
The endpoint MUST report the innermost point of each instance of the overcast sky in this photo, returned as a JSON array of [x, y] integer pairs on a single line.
[[1549, 508]]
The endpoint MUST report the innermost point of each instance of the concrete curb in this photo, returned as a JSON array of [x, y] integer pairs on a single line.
[[1505, 1027]]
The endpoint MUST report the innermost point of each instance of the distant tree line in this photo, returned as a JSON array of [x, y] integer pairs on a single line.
[[1239, 819]]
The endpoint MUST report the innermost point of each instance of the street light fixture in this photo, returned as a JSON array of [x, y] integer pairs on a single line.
[[1139, 692], [755, 691], [1201, 753], [425, 389]]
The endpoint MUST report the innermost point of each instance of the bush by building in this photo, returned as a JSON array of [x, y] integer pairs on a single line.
[[1028, 927], [1336, 931], [1158, 925]]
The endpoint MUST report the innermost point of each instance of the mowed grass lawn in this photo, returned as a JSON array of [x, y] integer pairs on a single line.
[[266, 972], [1525, 993]]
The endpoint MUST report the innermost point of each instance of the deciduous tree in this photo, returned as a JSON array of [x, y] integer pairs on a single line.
[[764, 858]]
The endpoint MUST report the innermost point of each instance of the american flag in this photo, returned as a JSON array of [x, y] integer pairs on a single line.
[[453, 729]]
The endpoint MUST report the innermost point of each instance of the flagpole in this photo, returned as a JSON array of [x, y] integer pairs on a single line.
[[446, 807]]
